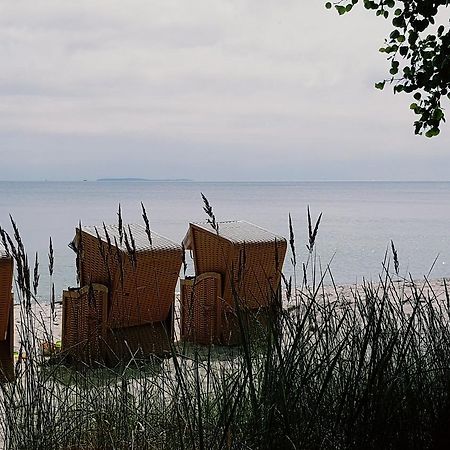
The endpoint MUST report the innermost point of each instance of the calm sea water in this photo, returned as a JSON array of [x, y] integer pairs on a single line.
[[359, 218]]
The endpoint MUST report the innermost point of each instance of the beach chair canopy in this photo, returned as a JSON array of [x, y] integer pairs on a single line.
[[136, 232], [6, 280], [140, 271], [248, 257]]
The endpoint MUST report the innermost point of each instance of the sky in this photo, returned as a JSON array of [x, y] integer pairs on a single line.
[[203, 89]]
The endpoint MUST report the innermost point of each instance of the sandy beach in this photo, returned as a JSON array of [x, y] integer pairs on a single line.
[[340, 293]]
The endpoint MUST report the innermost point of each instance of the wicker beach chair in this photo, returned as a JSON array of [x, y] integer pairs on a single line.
[[6, 316], [249, 260], [141, 273], [84, 323]]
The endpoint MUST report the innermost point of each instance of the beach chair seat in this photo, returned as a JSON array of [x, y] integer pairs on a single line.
[[201, 309], [84, 318]]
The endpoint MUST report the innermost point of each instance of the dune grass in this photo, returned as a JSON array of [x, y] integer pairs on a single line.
[[369, 370]]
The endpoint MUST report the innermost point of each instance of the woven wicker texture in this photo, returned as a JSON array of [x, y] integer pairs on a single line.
[[139, 341], [201, 309], [240, 232], [84, 317], [6, 279], [142, 284], [253, 322], [140, 237], [248, 258], [7, 350]]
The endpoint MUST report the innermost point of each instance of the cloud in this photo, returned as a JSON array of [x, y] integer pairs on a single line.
[[162, 80]]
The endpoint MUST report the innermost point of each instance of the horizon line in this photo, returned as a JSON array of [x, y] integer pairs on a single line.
[[181, 180]]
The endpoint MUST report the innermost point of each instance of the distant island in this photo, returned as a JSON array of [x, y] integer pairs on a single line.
[[143, 179]]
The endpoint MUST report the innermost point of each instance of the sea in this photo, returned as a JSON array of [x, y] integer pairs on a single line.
[[359, 220]]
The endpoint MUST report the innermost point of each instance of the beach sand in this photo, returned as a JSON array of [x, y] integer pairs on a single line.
[[341, 293]]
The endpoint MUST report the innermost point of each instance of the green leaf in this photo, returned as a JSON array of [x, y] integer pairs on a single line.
[[399, 22], [438, 114], [394, 34], [392, 48], [433, 132], [413, 106], [341, 9], [328, 5], [380, 85], [413, 36]]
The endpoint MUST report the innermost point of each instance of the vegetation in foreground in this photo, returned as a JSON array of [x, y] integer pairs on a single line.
[[367, 371]]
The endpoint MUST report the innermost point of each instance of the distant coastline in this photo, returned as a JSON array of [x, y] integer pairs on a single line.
[[144, 179]]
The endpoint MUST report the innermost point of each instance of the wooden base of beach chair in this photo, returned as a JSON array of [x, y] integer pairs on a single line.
[[140, 341], [253, 324], [7, 352], [84, 316], [206, 319]]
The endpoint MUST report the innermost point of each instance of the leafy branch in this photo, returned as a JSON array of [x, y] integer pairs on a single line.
[[419, 62]]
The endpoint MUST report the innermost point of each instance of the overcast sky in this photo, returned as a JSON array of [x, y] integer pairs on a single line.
[[209, 90]]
